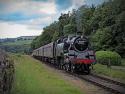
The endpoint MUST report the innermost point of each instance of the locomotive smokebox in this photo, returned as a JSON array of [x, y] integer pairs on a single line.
[[80, 43]]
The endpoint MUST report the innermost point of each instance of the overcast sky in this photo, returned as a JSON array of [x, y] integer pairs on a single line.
[[28, 17]]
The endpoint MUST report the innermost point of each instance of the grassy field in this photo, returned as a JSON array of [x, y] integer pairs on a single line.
[[20, 46], [31, 77], [19, 42], [114, 73]]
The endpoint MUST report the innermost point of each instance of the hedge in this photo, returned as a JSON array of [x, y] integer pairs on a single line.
[[108, 57], [6, 72]]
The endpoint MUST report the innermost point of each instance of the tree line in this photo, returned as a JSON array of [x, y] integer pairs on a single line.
[[104, 25]]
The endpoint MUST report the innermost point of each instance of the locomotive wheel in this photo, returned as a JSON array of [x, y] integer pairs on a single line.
[[73, 68], [70, 66], [67, 67], [86, 69], [61, 61], [59, 66], [64, 67]]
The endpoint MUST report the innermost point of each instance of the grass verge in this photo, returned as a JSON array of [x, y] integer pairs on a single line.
[[123, 61], [31, 77], [104, 70]]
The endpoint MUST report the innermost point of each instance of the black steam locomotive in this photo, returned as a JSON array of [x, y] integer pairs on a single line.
[[71, 53]]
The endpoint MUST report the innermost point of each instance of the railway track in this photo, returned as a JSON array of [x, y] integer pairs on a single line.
[[114, 86], [106, 83]]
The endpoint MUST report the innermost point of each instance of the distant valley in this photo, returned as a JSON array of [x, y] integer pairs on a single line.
[[17, 45]]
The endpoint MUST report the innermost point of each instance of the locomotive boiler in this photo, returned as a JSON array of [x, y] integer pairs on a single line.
[[71, 53]]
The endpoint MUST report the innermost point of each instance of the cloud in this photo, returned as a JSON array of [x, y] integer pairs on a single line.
[[26, 10], [33, 15], [39, 23], [39, 0], [9, 30], [48, 8], [78, 3], [28, 6]]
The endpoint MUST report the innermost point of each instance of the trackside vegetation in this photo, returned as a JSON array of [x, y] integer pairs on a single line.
[[108, 58], [31, 77], [123, 62], [106, 61], [110, 72], [6, 72]]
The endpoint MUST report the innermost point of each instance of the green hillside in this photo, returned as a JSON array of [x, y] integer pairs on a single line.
[[18, 46], [18, 42]]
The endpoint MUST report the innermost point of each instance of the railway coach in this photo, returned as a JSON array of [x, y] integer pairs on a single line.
[[71, 53]]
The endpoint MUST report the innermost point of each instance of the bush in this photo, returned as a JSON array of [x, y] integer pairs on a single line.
[[6, 72], [104, 57]]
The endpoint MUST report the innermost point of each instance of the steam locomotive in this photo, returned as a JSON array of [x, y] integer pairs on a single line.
[[71, 53]]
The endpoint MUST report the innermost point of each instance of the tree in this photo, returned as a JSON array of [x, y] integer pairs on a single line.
[[69, 29], [103, 24], [63, 20]]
